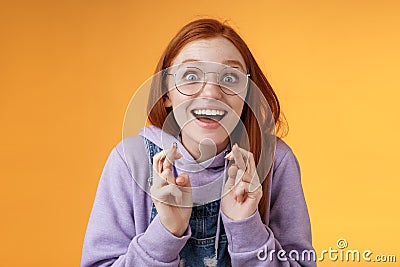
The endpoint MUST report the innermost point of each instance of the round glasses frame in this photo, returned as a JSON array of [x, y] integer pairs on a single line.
[[205, 82]]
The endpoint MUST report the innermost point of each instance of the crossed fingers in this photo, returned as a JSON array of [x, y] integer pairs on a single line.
[[243, 178]]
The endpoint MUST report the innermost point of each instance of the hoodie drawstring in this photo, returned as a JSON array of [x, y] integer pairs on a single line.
[[220, 209]]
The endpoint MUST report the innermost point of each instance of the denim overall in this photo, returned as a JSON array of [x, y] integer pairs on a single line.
[[200, 249]]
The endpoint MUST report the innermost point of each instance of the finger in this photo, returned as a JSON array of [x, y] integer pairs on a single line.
[[232, 171], [165, 193], [240, 176], [157, 161], [183, 180], [250, 168], [184, 186], [168, 176], [249, 173], [171, 155], [162, 162], [245, 153], [161, 179], [240, 192], [254, 184], [238, 157], [243, 190], [230, 182], [253, 175], [229, 156], [180, 181], [249, 158]]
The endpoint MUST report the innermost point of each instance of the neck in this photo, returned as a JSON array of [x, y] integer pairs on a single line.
[[204, 150]]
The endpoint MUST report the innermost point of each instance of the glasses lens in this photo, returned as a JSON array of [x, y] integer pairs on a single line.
[[189, 80], [232, 81]]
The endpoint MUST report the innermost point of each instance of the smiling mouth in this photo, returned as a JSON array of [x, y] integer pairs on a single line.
[[208, 114]]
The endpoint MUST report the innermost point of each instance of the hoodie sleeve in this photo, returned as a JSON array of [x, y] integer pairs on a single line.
[[111, 238], [286, 241]]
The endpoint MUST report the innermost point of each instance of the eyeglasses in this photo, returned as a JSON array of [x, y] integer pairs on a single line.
[[190, 80]]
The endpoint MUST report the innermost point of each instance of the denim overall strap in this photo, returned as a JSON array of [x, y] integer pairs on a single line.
[[199, 250], [152, 150]]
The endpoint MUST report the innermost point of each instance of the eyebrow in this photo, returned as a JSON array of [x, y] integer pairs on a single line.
[[234, 62], [226, 62]]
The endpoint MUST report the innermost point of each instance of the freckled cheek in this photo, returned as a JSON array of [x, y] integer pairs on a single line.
[[238, 107], [176, 99], [181, 110]]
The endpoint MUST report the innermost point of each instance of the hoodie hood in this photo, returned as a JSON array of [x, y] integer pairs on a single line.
[[206, 177]]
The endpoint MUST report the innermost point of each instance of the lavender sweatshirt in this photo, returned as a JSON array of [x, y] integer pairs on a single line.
[[119, 232]]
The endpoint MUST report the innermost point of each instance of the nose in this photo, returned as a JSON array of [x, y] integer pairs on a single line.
[[211, 89]]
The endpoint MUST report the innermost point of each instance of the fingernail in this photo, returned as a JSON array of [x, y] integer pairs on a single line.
[[175, 144]]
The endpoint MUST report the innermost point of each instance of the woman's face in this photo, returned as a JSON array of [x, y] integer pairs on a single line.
[[210, 114]]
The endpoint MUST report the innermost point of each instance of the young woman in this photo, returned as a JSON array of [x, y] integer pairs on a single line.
[[208, 183]]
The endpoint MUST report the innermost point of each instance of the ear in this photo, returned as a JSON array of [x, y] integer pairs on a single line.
[[167, 101]]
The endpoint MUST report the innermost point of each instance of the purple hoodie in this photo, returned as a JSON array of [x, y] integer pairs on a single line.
[[119, 232]]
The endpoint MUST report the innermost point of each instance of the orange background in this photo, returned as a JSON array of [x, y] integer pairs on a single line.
[[69, 69]]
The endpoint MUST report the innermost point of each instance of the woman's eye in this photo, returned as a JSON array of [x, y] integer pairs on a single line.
[[191, 77], [229, 79]]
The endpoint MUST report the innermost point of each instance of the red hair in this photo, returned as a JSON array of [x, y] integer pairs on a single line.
[[211, 28]]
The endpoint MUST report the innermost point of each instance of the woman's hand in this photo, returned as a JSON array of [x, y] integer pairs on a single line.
[[171, 196], [242, 190]]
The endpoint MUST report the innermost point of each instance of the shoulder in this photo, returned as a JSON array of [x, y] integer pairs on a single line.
[[132, 150], [286, 175], [129, 144], [126, 156], [281, 148], [122, 156], [284, 156], [127, 170]]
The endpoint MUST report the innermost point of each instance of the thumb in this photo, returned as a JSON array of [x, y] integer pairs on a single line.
[[183, 180]]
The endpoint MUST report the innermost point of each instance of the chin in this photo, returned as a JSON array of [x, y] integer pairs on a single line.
[[218, 135]]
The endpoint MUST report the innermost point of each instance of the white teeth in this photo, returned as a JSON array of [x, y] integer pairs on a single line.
[[209, 112]]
